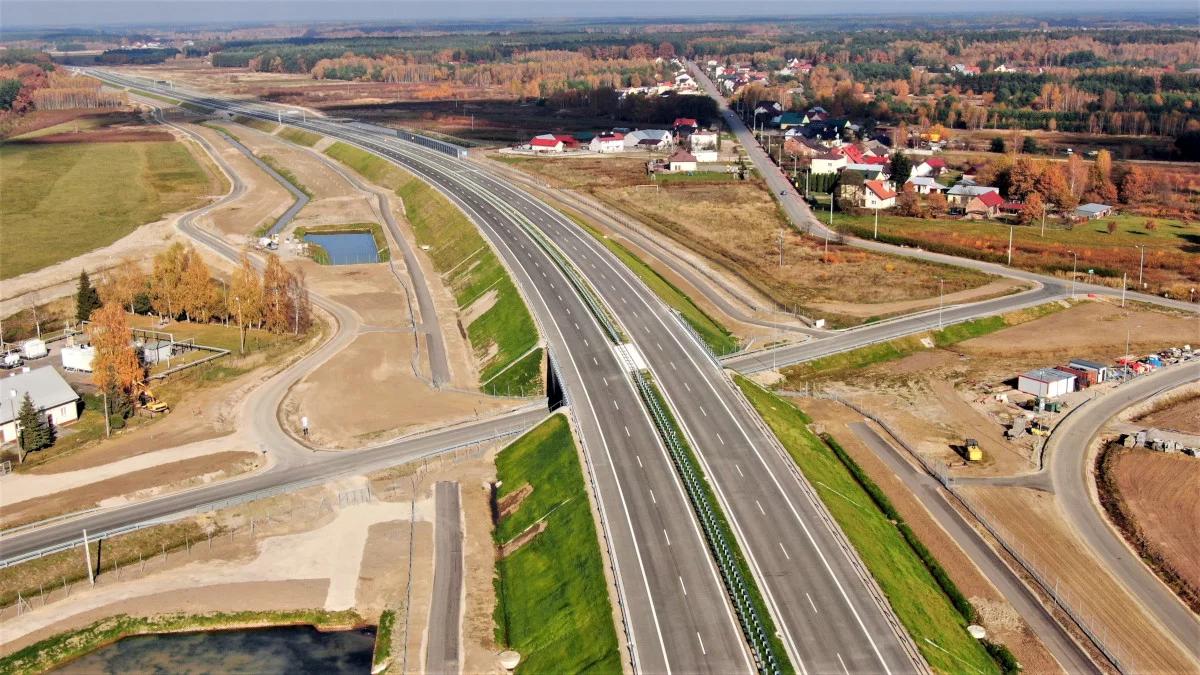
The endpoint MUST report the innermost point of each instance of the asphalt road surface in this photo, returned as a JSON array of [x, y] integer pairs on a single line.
[[442, 649], [677, 617], [1069, 460]]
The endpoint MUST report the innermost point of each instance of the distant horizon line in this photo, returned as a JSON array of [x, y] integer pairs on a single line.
[[28, 15]]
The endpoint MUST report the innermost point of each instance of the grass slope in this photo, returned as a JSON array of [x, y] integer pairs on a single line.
[[63, 200], [914, 594], [552, 601], [716, 336], [300, 136], [468, 265]]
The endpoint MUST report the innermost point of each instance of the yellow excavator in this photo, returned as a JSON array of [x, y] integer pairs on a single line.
[[146, 398]]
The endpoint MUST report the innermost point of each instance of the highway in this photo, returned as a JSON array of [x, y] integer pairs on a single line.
[[821, 602]]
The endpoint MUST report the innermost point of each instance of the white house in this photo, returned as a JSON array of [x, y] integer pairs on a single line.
[[830, 162], [877, 195], [702, 139], [932, 167], [608, 142], [51, 395], [924, 185], [647, 139], [1046, 382], [682, 160], [546, 143]]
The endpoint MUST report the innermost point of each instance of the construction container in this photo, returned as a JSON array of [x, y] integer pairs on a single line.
[[1083, 378], [34, 349], [1098, 370], [78, 357]]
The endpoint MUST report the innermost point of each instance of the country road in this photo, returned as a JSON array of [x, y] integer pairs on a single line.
[[443, 649]]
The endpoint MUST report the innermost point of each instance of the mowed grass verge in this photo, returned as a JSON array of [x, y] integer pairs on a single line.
[[717, 337], [63, 200], [880, 352], [552, 603], [914, 594], [505, 331], [300, 136]]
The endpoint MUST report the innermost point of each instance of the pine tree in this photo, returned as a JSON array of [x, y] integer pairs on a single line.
[[34, 430], [87, 300]]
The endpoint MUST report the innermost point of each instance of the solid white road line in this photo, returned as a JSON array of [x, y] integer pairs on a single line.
[[844, 668]]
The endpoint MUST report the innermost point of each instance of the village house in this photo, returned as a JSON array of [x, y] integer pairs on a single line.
[[985, 205], [703, 144], [681, 160], [799, 146], [932, 167], [684, 127], [1092, 211], [859, 189], [648, 139], [870, 171], [610, 141], [830, 162], [924, 185], [51, 396], [960, 195]]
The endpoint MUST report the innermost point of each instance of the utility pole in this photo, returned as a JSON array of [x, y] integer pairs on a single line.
[[1074, 262], [1124, 284], [1043, 220], [830, 212], [87, 554], [1010, 238], [876, 236], [781, 247], [1141, 265]]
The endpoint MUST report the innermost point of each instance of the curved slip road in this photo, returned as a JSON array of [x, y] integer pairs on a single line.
[[1069, 460]]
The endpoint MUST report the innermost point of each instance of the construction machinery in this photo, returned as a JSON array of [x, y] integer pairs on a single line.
[[148, 401], [1039, 427], [972, 451]]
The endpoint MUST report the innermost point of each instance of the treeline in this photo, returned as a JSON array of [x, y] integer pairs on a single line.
[[36, 85], [115, 57], [180, 286]]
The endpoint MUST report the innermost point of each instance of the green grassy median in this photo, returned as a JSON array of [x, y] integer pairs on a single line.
[[552, 603]]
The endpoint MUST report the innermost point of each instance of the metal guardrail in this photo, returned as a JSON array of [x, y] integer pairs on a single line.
[[227, 502], [736, 584]]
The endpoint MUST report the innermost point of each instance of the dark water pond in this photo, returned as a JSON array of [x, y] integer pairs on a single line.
[[290, 649], [347, 248]]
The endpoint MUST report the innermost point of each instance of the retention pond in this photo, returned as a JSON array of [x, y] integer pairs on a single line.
[[288, 649], [346, 248]]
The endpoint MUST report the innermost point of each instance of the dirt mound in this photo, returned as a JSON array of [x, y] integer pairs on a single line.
[[509, 503], [1182, 415], [520, 540]]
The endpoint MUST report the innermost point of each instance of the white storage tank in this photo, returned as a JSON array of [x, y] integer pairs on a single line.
[[78, 357], [34, 349]]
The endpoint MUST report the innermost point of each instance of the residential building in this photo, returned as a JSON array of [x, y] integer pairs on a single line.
[[871, 171], [608, 142], [958, 196], [932, 167], [648, 139], [790, 120], [986, 205], [1092, 211], [681, 160], [830, 162], [924, 185], [546, 143], [878, 195], [50, 393]]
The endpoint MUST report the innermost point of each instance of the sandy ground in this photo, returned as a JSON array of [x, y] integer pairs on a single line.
[[990, 290], [1182, 416], [1000, 619], [289, 564], [1160, 493], [1035, 524], [264, 199]]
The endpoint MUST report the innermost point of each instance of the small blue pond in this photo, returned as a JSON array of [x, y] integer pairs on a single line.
[[291, 649], [347, 248]]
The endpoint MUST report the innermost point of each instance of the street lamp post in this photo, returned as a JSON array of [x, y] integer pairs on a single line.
[[876, 235], [941, 288], [1141, 264]]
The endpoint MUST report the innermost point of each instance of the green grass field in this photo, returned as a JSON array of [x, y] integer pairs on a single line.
[[255, 123], [468, 265], [300, 136], [63, 200], [914, 594], [716, 336], [869, 355], [552, 602]]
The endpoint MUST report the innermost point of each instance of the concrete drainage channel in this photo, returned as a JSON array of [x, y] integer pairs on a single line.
[[739, 584]]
